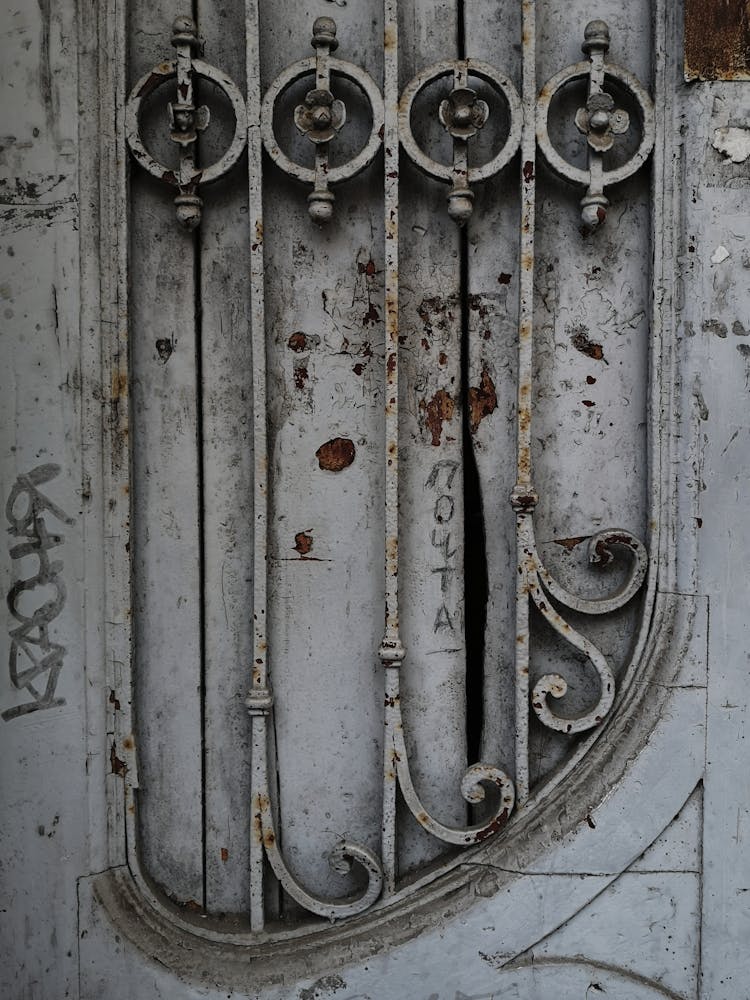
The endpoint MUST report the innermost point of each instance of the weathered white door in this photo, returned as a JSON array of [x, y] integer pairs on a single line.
[[357, 588]]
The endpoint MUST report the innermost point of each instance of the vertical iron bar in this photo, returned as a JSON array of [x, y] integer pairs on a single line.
[[391, 649], [524, 498], [259, 692]]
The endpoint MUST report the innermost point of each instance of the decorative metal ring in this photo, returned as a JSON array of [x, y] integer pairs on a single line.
[[444, 171], [147, 85], [297, 71], [579, 175]]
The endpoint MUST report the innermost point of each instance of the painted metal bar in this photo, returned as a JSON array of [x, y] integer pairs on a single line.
[[259, 698], [391, 649], [524, 497]]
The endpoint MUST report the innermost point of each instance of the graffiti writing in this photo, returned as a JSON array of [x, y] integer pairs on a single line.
[[440, 480], [35, 660]]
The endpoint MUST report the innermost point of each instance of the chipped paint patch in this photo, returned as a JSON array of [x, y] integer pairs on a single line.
[[719, 255], [733, 143], [303, 543], [482, 401], [436, 411], [579, 338], [336, 454]]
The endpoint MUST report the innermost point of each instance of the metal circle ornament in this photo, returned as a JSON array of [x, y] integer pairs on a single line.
[[462, 114], [600, 121], [320, 118], [186, 121]]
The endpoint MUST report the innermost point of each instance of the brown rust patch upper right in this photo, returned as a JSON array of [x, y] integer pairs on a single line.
[[717, 40], [336, 454]]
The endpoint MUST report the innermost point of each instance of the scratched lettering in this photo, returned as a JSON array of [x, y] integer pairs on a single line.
[[35, 660], [440, 480]]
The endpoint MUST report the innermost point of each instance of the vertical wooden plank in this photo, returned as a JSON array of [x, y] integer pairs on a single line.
[[431, 599], [591, 374], [166, 538], [325, 367], [227, 466], [493, 264]]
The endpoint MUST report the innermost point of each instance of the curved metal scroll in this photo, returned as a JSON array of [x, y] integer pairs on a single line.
[[186, 122], [343, 855], [600, 121], [542, 585], [320, 118]]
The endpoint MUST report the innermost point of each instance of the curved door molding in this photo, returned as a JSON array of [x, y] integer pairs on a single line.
[[338, 402]]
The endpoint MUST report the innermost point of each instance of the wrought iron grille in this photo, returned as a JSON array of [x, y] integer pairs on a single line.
[[321, 117]]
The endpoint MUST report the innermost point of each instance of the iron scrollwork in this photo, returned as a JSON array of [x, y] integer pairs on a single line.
[[320, 117]]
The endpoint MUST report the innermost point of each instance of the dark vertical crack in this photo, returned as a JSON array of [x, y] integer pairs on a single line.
[[475, 555]]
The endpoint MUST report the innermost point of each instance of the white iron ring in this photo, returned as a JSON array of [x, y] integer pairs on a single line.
[[296, 72], [442, 171], [147, 85], [648, 124]]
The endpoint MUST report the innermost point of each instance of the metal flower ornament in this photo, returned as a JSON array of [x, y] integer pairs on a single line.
[[185, 121], [321, 117], [600, 121]]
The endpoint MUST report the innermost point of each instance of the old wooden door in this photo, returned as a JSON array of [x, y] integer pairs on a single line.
[[367, 409]]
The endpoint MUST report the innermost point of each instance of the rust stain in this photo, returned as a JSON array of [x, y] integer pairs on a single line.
[[391, 364], [224, 854], [300, 376], [497, 824], [443, 358], [482, 401], [717, 40], [268, 838], [336, 454], [439, 409], [128, 743], [303, 543], [369, 268], [570, 543], [119, 385], [579, 338], [297, 341], [119, 767]]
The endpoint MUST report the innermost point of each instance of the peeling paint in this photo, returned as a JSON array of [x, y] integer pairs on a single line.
[[436, 411], [482, 401], [733, 143], [579, 338]]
